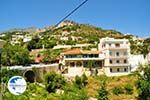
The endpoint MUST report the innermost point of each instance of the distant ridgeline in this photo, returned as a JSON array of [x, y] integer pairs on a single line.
[[69, 33]]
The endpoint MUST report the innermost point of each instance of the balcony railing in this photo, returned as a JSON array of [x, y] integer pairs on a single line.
[[119, 47], [81, 56], [99, 58], [120, 57], [116, 64]]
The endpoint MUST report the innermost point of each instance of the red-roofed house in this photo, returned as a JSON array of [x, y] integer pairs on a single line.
[[77, 61]]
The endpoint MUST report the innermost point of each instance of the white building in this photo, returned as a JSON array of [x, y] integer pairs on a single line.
[[112, 58], [27, 39], [78, 61], [117, 53]]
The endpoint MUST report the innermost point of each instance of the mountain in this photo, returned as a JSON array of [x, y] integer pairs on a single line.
[[80, 33], [29, 29], [70, 33]]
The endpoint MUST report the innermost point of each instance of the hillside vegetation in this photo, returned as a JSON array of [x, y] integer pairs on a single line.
[[55, 87], [68, 34]]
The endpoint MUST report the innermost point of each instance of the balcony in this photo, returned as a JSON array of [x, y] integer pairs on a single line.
[[120, 57], [84, 57], [118, 47], [100, 58], [117, 65]]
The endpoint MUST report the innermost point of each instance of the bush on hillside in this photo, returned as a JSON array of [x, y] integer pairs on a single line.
[[82, 81], [54, 81], [143, 84], [102, 93], [117, 90], [128, 89]]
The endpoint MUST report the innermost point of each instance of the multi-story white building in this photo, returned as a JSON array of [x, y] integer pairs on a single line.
[[117, 53], [112, 57]]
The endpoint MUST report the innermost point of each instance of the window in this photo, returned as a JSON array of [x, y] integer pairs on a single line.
[[79, 64], [117, 45], [110, 53], [110, 61], [72, 64], [110, 69], [125, 69], [104, 45], [118, 61], [125, 53], [110, 44], [67, 63], [125, 61], [118, 69], [117, 53], [67, 56]]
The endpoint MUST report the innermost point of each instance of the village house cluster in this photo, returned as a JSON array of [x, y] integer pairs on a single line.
[[112, 57]]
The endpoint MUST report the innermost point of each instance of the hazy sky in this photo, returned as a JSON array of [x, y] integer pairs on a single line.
[[126, 16]]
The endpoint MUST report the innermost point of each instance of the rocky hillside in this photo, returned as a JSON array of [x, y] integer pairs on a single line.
[[70, 33]]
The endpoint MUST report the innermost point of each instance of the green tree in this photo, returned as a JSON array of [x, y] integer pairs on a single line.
[[15, 55], [78, 82], [146, 47], [6, 74], [81, 82], [34, 43], [73, 93], [118, 90], [54, 81], [90, 65], [50, 55], [102, 93], [128, 89], [143, 84]]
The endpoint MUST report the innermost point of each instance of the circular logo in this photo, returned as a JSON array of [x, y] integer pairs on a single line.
[[17, 85]]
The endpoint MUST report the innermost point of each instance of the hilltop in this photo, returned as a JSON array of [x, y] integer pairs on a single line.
[[69, 33]]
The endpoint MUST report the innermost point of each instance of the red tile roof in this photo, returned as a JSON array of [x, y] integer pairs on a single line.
[[79, 51], [74, 51]]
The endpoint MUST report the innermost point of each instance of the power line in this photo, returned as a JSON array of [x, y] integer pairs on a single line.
[[71, 12]]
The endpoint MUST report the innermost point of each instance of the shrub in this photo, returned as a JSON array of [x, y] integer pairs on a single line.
[[78, 82], [71, 92], [81, 81], [102, 93], [143, 84], [117, 90], [84, 79], [6, 74], [128, 89], [54, 81]]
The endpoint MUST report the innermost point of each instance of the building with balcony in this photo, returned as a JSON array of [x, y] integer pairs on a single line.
[[78, 61], [111, 58], [117, 53]]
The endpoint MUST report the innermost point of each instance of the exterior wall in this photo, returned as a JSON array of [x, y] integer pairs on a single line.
[[121, 69], [114, 71], [135, 60], [78, 67], [117, 53]]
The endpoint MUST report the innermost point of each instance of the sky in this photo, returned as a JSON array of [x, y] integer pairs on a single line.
[[126, 16]]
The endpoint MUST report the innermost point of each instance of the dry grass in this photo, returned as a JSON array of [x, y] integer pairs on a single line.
[[92, 87], [111, 82]]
